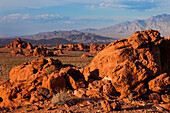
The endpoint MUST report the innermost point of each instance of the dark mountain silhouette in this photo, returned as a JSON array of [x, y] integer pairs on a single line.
[[72, 36]]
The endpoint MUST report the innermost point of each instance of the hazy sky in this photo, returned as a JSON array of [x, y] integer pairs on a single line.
[[19, 17]]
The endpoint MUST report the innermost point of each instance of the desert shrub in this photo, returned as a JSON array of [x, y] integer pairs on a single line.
[[49, 70], [130, 97], [60, 98]]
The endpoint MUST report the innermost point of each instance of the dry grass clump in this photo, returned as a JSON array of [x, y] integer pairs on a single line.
[[49, 70], [60, 98]]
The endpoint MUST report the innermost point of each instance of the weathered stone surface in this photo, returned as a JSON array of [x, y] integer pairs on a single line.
[[106, 106], [30, 70], [154, 96], [160, 83], [108, 88], [38, 51], [38, 80], [95, 48], [140, 90], [166, 98], [79, 93], [5, 93], [54, 82], [98, 87], [40, 94], [74, 78], [128, 62], [116, 105]]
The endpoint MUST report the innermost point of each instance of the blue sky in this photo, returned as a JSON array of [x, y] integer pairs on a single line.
[[21, 17]]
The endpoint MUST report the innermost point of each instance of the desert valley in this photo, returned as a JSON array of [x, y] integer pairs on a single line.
[[127, 75], [84, 56]]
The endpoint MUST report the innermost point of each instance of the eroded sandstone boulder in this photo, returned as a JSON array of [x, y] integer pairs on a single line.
[[160, 84], [100, 87], [129, 63], [30, 70], [37, 81], [74, 78]]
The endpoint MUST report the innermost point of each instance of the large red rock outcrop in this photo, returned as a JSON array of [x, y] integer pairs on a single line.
[[37, 81], [30, 70], [130, 63]]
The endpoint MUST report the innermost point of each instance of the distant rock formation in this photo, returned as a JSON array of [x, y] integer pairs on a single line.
[[81, 47], [18, 46], [96, 47], [18, 43]]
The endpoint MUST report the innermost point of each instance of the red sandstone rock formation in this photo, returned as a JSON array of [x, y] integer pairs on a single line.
[[136, 67], [131, 63], [58, 52], [18, 43], [38, 51], [37, 81], [17, 52], [81, 47], [95, 48]]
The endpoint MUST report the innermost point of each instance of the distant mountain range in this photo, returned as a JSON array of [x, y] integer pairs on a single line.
[[125, 29], [99, 36], [71, 36], [60, 37]]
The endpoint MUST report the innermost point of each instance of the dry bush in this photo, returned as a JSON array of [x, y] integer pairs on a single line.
[[49, 70], [60, 98]]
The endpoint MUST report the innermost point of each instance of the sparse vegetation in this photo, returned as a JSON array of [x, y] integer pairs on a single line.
[[130, 97], [7, 61], [49, 70], [60, 98]]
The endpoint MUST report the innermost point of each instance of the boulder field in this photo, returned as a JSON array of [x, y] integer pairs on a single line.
[[20, 47], [135, 67]]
